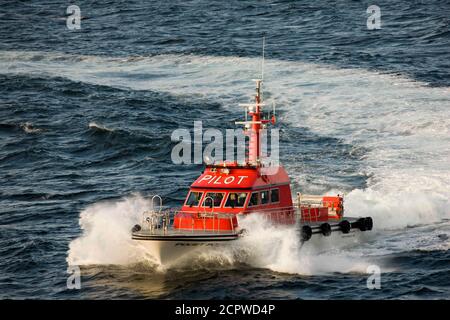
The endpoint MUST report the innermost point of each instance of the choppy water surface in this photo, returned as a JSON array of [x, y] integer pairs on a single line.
[[86, 118]]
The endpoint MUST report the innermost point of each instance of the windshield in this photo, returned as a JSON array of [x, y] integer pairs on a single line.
[[264, 197], [193, 199], [213, 198], [236, 200], [253, 199]]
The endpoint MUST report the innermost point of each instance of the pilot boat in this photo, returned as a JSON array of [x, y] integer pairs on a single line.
[[226, 192]]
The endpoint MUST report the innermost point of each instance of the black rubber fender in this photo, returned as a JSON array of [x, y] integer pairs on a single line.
[[136, 228], [368, 222], [345, 226], [326, 229], [306, 233], [361, 224]]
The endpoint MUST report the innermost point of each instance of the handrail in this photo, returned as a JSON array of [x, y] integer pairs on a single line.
[[164, 218], [227, 214], [160, 202], [271, 209], [212, 209], [212, 204]]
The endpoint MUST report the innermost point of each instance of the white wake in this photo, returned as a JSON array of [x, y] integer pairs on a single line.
[[404, 124]]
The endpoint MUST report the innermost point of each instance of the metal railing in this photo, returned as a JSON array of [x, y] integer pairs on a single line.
[[309, 217], [315, 202], [157, 218]]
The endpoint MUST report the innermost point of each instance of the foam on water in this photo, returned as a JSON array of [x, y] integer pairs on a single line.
[[106, 239], [279, 248], [105, 235], [99, 127], [404, 125]]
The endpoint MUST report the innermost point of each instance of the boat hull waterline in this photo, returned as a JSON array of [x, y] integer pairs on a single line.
[[168, 248]]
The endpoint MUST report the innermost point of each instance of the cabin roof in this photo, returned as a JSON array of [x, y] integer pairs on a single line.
[[215, 177]]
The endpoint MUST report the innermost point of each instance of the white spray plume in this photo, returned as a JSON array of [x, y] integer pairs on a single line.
[[106, 233]]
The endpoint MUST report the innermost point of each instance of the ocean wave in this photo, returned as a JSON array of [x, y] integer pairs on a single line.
[[26, 127], [29, 128], [97, 127]]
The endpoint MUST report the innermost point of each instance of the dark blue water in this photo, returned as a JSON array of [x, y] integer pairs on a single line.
[[86, 118]]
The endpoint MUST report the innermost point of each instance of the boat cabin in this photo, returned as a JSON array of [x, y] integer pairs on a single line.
[[236, 189], [229, 189]]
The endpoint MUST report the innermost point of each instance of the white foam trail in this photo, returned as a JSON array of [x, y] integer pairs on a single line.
[[404, 124], [106, 237], [434, 237], [279, 248]]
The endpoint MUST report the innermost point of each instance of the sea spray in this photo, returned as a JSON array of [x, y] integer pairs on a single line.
[[403, 124], [400, 209], [279, 248], [106, 237]]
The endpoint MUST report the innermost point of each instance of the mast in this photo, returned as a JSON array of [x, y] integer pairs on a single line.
[[257, 123], [254, 148]]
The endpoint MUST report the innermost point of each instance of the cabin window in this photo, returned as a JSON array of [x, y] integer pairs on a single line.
[[264, 197], [236, 200], [253, 199], [213, 199], [193, 199], [275, 195]]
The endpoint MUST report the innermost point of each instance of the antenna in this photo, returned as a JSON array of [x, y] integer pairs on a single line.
[[262, 63]]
